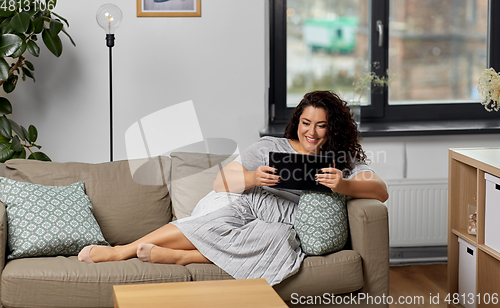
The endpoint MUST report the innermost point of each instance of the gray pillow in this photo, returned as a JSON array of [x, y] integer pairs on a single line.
[[46, 221], [321, 222], [193, 176]]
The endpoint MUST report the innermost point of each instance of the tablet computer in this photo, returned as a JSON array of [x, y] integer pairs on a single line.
[[297, 171]]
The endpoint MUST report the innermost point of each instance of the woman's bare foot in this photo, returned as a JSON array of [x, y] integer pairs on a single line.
[[96, 254], [156, 254]]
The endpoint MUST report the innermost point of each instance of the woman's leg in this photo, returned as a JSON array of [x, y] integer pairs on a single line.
[[157, 254], [168, 236]]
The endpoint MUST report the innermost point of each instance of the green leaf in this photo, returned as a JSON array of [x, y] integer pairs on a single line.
[[55, 27], [25, 133], [3, 139], [5, 106], [53, 43], [31, 27], [5, 128], [39, 156], [29, 65], [62, 18], [33, 48], [5, 152], [17, 129], [32, 134], [38, 24], [16, 144], [21, 22], [21, 154], [10, 84], [9, 44], [30, 8], [21, 50], [4, 69], [5, 26], [28, 73], [4, 9], [69, 36]]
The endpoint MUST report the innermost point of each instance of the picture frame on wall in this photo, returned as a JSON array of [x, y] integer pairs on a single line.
[[169, 8]]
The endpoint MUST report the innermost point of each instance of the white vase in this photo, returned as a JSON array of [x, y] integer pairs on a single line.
[[355, 106]]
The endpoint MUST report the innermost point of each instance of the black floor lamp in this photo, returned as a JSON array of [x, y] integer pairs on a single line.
[[109, 17]]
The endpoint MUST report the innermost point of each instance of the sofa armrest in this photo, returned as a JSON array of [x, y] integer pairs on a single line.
[[368, 223], [3, 235]]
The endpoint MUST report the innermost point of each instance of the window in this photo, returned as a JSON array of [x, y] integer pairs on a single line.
[[436, 49]]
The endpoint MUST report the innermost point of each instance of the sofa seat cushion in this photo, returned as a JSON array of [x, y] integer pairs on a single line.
[[67, 282], [337, 273], [202, 272], [124, 209]]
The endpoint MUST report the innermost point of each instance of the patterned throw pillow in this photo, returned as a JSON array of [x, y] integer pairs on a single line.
[[321, 222], [46, 221]]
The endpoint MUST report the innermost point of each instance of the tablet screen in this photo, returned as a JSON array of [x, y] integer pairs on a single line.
[[297, 171]]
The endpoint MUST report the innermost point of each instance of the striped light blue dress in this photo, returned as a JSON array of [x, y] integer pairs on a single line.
[[251, 235]]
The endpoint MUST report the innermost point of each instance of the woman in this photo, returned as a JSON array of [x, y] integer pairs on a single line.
[[245, 226]]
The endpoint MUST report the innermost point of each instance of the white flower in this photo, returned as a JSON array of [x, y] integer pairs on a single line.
[[489, 87]]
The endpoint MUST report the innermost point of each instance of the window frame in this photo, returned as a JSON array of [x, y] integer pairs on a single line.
[[379, 111]]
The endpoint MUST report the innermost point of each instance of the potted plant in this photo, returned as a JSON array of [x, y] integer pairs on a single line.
[[22, 22], [366, 82]]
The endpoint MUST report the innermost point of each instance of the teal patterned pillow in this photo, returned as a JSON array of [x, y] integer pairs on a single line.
[[321, 222], [46, 221]]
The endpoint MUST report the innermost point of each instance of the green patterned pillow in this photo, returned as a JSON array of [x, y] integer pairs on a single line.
[[321, 222], [46, 221]]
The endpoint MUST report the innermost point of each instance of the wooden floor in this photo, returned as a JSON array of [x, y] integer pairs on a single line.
[[418, 285]]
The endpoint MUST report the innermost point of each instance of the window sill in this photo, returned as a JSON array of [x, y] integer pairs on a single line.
[[421, 128]]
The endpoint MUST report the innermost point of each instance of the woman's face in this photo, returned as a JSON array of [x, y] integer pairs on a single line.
[[312, 130]]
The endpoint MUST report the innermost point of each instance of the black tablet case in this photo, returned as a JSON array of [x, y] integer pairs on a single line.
[[297, 171]]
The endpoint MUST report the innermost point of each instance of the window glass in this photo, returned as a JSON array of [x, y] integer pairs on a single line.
[[327, 47], [437, 50]]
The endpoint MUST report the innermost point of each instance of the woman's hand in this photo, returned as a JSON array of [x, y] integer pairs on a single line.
[[365, 185], [331, 178], [264, 176]]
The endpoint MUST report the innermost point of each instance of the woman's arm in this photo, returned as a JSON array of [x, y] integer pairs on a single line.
[[366, 185], [236, 178]]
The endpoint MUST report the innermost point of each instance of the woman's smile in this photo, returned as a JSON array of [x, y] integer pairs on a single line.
[[311, 140]]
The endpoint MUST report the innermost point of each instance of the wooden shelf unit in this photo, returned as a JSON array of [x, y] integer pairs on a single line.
[[466, 185]]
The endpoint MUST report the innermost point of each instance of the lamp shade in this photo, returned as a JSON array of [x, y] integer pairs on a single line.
[[109, 17]]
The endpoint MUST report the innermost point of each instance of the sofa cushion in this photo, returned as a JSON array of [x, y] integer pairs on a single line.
[[48, 220], [337, 273], [67, 282], [192, 178], [124, 209], [321, 222], [201, 272]]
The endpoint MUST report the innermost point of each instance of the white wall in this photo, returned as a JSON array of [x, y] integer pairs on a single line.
[[217, 60]]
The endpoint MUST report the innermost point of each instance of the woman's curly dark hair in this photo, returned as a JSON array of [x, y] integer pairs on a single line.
[[343, 139]]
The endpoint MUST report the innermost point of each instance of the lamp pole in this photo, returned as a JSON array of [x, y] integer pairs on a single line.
[[110, 38], [109, 17]]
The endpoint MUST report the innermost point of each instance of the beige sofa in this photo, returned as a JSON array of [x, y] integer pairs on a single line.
[[126, 209]]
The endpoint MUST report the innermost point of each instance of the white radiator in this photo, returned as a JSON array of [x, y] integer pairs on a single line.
[[418, 212]]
